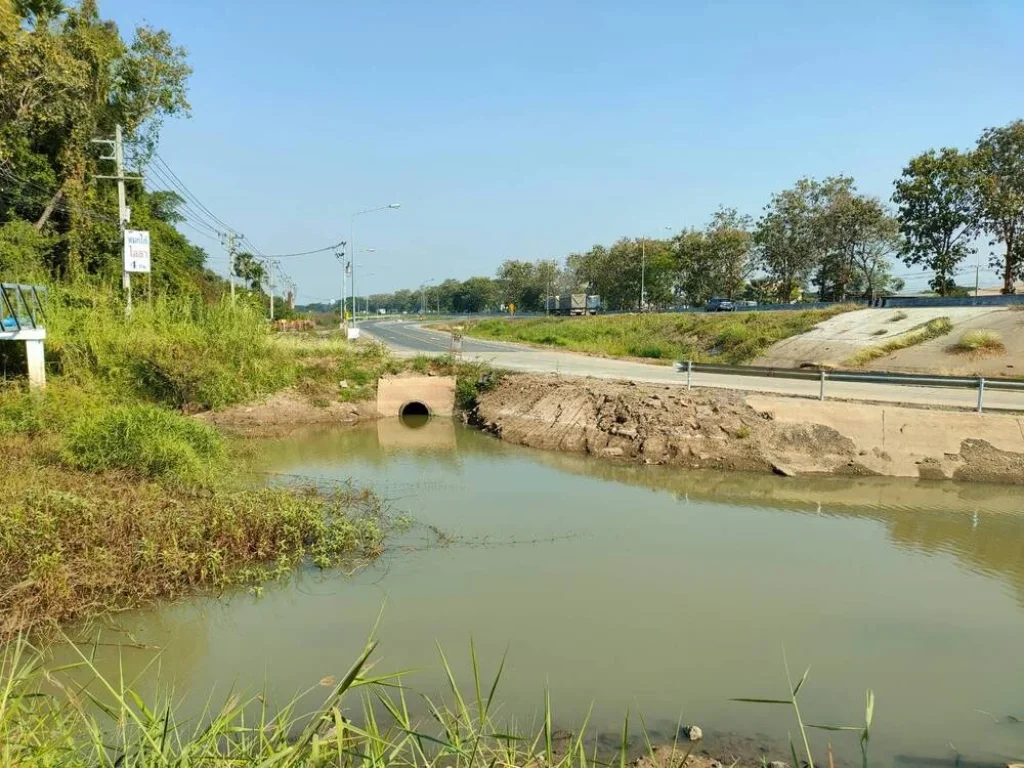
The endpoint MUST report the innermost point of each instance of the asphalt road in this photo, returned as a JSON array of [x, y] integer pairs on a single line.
[[408, 339]]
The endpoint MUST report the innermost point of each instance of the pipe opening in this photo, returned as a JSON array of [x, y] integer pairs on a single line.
[[414, 414]]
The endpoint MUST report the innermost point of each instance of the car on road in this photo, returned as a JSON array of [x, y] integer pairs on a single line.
[[720, 305]]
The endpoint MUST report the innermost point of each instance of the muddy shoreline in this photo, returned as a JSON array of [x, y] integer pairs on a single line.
[[729, 430]]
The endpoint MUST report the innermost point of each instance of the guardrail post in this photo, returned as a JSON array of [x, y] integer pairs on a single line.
[[981, 394], [821, 392], [689, 374]]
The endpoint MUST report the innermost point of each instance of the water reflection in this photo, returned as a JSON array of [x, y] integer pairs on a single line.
[[652, 587]]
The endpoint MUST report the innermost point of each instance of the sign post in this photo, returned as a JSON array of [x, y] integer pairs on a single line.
[[136, 257]]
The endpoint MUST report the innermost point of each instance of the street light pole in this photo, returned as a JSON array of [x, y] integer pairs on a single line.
[[643, 270], [352, 239], [423, 296]]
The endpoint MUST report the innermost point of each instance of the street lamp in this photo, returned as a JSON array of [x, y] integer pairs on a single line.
[[423, 296], [352, 239]]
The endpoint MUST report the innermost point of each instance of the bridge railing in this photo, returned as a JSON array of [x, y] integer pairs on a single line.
[[21, 307], [979, 383]]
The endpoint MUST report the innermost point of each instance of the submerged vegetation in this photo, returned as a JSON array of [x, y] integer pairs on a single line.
[[732, 338]]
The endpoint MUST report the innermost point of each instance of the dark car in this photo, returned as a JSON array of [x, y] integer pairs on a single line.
[[720, 305]]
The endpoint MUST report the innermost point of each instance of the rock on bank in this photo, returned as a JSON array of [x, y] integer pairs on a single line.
[[723, 429]]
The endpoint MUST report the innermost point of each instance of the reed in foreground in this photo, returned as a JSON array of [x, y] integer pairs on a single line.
[[49, 717]]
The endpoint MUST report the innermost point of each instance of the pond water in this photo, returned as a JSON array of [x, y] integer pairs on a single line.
[[666, 591]]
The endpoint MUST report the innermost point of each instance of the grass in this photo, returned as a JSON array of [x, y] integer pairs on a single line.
[[880, 332], [732, 338], [898, 316], [933, 329], [364, 719], [980, 341], [75, 544]]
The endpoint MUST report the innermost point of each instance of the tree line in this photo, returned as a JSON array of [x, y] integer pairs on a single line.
[[820, 239]]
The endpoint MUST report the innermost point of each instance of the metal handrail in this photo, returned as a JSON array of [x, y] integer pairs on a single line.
[[21, 307], [979, 383]]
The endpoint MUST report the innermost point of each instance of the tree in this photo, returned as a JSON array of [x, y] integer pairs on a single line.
[[517, 281], [873, 238], [938, 216], [786, 237], [475, 295], [729, 252], [999, 167], [250, 269]]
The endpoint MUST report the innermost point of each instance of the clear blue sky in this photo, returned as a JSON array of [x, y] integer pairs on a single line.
[[533, 129]]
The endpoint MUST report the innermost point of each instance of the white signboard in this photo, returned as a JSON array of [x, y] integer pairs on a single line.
[[136, 251]]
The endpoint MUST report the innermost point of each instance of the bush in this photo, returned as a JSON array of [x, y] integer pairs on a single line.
[[146, 441], [980, 341]]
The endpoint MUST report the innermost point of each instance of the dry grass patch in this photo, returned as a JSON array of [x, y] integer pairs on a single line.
[[940, 326], [980, 341]]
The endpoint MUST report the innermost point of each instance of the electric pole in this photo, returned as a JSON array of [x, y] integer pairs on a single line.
[[340, 256], [123, 213], [230, 242], [270, 274]]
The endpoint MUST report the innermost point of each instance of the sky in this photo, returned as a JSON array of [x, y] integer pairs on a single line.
[[534, 129]]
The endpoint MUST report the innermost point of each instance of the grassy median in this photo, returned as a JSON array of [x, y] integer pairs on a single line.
[[727, 337]]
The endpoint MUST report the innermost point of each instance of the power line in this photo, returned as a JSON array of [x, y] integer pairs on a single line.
[[177, 182]]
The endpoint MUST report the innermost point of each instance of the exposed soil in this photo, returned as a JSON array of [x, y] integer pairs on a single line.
[[720, 429], [286, 411]]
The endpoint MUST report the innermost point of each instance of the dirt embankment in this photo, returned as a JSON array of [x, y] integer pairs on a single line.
[[284, 412], [719, 429]]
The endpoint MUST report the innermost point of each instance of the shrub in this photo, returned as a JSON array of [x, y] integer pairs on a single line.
[[146, 441], [980, 340], [897, 317]]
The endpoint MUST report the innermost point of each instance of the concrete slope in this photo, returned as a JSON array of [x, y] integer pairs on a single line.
[[938, 355], [835, 341]]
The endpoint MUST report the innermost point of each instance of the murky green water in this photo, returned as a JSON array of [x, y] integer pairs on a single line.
[[663, 590]]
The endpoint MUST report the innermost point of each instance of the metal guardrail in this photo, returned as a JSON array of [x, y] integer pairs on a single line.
[[21, 307], [822, 376]]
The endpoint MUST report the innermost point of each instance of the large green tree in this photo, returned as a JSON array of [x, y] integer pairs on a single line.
[[787, 238], [938, 214], [999, 169], [68, 78]]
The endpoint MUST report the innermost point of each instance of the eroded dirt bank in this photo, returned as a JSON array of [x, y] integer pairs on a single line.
[[720, 429]]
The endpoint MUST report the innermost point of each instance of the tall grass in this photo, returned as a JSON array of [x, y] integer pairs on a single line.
[[733, 338], [933, 329], [364, 720], [177, 351]]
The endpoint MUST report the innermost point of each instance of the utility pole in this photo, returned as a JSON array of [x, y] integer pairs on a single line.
[[977, 279], [123, 213], [231, 242], [270, 271], [340, 256]]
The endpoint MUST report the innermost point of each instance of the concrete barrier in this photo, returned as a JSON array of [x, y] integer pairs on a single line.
[[398, 395]]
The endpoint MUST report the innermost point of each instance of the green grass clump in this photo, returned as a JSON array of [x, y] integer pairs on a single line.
[[980, 340], [705, 338], [933, 329], [146, 441]]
